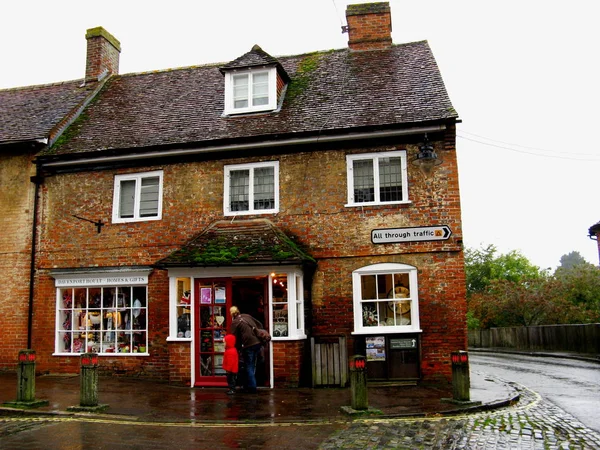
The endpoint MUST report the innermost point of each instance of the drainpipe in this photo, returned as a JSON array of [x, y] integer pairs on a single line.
[[38, 180]]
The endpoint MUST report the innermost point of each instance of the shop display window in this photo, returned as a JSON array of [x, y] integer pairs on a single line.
[[287, 295], [105, 320], [386, 298], [181, 321]]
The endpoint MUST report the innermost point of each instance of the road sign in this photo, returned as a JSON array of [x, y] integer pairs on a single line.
[[415, 234]]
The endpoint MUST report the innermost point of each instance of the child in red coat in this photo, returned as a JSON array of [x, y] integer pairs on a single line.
[[230, 362]]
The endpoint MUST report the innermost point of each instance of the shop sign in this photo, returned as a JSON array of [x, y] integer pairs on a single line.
[[401, 344], [414, 234], [102, 281]]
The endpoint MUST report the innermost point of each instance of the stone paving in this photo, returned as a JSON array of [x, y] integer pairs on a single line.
[[531, 423]]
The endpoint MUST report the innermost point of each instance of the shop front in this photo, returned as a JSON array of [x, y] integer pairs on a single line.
[[249, 264]]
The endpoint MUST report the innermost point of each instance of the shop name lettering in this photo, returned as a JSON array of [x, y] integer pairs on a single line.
[[94, 281]]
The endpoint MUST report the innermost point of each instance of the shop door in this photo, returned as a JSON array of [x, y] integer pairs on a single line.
[[213, 299]]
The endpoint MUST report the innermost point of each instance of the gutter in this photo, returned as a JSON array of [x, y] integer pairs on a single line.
[[246, 146]]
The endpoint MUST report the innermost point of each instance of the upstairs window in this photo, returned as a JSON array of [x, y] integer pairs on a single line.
[[252, 188], [250, 91], [137, 197], [377, 178]]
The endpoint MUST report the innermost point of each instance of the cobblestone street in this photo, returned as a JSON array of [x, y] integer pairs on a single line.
[[532, 423]]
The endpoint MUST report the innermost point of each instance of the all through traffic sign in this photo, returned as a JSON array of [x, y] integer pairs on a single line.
[[410, 234]]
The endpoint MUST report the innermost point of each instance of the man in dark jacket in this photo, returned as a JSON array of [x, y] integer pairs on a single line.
[[242, 326]]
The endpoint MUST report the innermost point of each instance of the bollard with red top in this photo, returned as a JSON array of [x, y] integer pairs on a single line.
[[26, 382], [89, 379], [358, 382], [461, 382], [26, 376]]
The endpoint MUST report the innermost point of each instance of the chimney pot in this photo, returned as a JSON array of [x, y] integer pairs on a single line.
[[369, 26], [103, 51]]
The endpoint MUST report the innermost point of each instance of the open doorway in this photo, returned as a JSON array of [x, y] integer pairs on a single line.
[[251, 296]]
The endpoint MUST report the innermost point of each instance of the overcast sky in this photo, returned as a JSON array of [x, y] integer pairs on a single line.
[[523, 75]]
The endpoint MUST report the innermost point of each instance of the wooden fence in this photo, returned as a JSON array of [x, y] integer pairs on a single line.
[[584, 338]]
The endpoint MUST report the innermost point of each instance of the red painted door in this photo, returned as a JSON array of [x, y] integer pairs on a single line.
[[213, 299]]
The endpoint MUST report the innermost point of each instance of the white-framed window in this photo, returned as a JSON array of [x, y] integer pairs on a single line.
[[251, 189], [385, 299], [138, 197], [287, 295], [250, 90], [104, 313], [377, 178], [180, 311]]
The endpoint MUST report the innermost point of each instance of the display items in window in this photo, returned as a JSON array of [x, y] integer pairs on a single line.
[[102, 320]]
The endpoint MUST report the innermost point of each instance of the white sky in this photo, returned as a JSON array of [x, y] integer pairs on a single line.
[[524, 76]]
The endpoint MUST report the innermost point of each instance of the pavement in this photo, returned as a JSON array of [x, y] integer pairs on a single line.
[[150, 401], [142, 414]]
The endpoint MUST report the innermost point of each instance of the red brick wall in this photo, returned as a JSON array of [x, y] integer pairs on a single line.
[[287, 362], [16, 204], [312, 194], [369, 26]]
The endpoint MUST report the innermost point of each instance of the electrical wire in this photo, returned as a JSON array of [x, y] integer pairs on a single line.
[[524, 149]]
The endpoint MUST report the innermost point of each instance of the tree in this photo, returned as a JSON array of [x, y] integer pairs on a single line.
[[482, 266], [571, 260], [507, 290]]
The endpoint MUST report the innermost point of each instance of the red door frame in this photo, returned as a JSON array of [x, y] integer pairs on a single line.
[[209, 331]]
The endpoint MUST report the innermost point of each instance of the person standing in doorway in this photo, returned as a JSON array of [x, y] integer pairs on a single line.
[[242, 326]]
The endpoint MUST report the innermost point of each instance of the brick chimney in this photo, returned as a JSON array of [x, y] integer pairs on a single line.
[[369, 26], [103, 51]]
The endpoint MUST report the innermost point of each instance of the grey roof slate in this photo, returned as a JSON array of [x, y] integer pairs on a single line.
[[31, 112], [330, 92]]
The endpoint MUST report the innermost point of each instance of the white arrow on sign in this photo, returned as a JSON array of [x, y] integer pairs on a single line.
[[416, 234]]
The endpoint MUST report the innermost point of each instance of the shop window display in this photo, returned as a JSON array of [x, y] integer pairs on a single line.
[[106, 320], [385, 297]]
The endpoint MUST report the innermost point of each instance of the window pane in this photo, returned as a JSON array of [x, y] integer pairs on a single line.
[[368, 287], [127, 199], [260, 89], [240, 91], [363, 180], [390, 179], [239, 183], [264, 188], [149, 197]]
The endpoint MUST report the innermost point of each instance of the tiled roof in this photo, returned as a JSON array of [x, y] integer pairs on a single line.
[[228, 243], [30, 113], [330, 92]]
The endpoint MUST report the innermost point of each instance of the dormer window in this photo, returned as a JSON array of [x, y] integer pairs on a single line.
[[250, 91], [254, 82]]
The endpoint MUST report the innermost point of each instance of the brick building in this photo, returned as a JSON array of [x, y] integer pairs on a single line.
[[317, 192], [594, 234]]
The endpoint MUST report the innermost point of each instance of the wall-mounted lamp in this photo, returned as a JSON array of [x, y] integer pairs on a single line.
[[427, 158]]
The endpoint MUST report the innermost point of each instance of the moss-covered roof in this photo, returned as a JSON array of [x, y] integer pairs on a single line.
[[238, 242], [329, 92]]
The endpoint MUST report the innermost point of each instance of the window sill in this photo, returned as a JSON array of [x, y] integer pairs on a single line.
[[355, 205], [177, 339], [250, 213], [289, 338], [387, 330]]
